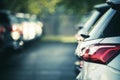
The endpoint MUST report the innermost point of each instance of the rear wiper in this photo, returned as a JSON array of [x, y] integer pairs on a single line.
[[85, 36]]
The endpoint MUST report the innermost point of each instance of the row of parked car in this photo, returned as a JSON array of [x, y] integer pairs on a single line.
[[99, 44], [18, 28]]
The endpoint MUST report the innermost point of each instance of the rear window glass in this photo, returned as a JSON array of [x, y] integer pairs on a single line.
[[113, 28], [107, 26]]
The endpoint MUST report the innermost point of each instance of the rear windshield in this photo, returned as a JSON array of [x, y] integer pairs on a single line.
[[107, 26]]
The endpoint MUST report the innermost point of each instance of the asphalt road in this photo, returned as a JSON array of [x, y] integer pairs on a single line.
[[39, 61]]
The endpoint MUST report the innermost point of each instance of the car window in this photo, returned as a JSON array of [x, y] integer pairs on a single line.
[[92, 19], [113, 28], [90, 22], [100, 28]]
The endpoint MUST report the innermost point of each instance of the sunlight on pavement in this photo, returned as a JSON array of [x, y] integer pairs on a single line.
[[65, 39]]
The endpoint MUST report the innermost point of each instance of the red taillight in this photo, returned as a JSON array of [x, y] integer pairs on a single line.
[[14, 28], [101, 53], [2, 29]]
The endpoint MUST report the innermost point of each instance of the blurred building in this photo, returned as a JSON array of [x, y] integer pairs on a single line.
[[60, 24]]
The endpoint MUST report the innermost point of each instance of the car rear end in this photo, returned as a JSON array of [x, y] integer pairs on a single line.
[[101, 51], [97, 12], [101, 59], [9, 31]]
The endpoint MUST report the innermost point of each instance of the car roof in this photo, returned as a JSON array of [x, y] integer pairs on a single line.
[[102, 7]]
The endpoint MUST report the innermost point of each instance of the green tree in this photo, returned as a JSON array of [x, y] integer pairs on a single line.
[[48, 6], [31, 6], [41, 6], [79, 6]]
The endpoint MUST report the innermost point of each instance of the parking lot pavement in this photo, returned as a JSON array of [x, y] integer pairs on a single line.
[[39, 61]]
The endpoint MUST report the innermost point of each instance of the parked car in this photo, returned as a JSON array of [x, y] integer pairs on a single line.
[[97, 12], [38, 25], [10, 35], [101, 51], [31, 27], [28, 28]]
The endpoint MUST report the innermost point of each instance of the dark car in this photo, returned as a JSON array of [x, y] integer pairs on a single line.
[[10, 35], [101, 51], [97, 12]]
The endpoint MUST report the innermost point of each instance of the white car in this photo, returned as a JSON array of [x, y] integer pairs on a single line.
[[101, 51]]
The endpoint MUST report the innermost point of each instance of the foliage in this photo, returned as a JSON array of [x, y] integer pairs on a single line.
[[14, 5], [41, 6], [31, 6], [48, 6], [79, 6]]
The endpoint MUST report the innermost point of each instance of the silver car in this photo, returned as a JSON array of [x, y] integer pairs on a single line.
[[101, 51], [97, 12]]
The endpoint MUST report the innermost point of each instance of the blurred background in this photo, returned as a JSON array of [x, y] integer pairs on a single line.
[[59, 17], [37, 38]]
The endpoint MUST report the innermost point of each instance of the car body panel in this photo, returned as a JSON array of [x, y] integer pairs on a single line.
[[93, 71], [115, 63], [85, 44]]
